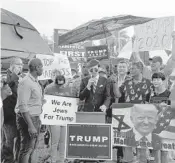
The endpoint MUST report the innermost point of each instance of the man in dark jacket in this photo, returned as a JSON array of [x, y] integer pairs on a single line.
[[95, 90], [14, 75]]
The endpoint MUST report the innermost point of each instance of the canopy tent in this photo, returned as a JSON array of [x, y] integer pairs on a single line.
[[99, 29], [19, 38]]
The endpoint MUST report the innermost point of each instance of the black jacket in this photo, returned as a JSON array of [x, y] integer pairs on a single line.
[[94, 100], [10, 102]]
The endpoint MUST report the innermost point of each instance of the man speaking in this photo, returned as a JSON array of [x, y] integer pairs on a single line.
[[95, 89]]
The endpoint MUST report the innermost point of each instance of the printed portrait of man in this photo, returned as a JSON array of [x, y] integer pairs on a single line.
[[144, 118]]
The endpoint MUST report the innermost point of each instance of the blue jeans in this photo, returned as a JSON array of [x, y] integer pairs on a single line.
[[58, 140], [27, 144], [10, 147]]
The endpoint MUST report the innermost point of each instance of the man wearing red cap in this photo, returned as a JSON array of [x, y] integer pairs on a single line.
[[95, 89]]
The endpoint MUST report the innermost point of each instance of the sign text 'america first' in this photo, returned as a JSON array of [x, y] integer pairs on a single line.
[[59, 110], [154, 35], [74, 53]]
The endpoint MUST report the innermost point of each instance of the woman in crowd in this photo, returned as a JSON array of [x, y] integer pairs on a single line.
[[159, 89], [57, 88]]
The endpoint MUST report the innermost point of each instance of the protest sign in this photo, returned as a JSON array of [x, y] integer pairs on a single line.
[[143, 126], [97, 52], [154, 35], [89, 142], [59, 110], [63, 65], [74, 53], [50, 63]]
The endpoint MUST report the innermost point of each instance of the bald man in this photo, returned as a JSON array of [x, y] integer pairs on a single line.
[[28, 110]]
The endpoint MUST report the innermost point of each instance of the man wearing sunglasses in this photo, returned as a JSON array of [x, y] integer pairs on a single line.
[[95, 89]]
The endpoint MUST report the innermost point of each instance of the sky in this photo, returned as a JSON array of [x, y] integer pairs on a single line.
[[46, 15]]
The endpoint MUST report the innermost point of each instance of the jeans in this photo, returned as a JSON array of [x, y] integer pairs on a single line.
[[58, 140], [27, 144], [10, 147]]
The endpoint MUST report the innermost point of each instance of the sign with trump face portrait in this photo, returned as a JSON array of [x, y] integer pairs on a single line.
[[144, 126]]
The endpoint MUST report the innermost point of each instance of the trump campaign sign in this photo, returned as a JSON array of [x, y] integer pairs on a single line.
[[144, 126], [89, 142], [97, 52]]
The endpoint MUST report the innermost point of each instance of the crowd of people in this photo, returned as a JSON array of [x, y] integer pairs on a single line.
[[23, 97]]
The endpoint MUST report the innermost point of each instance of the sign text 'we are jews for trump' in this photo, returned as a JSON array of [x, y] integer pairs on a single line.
[[59, 110]]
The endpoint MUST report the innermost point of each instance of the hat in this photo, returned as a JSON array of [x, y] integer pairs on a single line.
[[157, 59], [92, 63]]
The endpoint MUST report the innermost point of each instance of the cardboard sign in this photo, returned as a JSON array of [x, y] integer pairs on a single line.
[[59, 110], [143, 126], [154, 35], [50, 63], [74, 53], [97, 52], [89, 142]]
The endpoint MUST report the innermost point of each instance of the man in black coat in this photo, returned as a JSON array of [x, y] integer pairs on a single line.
[[14, 75], [95, 90]]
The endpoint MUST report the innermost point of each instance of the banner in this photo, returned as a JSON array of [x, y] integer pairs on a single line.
[[50, 63], [154, 35], [89, 142], [75, 53], [144, 126], [59, 110], [97, 52]]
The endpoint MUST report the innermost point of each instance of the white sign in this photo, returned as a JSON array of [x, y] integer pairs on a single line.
[[154, 35], [57, 62], [59, 110]]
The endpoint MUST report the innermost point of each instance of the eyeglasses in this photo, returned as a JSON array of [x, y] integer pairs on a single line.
[[93, 70]]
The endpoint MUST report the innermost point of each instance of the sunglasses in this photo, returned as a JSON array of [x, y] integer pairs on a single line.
[[93, 70]]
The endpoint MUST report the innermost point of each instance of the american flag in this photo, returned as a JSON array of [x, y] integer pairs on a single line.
[[166, 123]]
